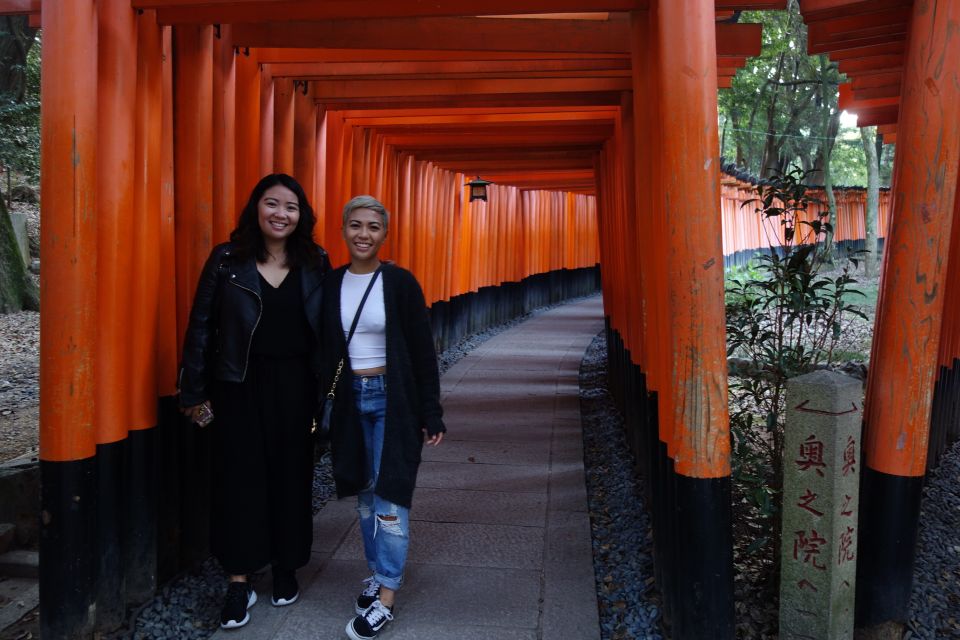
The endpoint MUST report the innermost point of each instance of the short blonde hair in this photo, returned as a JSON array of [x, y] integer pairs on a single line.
[[366, 202]]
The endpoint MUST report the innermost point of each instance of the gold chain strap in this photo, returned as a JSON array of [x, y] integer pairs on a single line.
[[336, 378]]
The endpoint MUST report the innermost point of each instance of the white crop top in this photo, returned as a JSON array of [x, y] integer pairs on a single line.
[[368, 348]]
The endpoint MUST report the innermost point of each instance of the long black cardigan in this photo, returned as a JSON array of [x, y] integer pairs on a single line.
[[413, 388]]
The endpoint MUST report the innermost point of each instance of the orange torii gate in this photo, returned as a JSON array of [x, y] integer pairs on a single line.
[[159, 115]]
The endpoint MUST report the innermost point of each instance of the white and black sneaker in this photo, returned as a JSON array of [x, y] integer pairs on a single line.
[[240, 597], [370, 593], [285, 587], [371, 622]]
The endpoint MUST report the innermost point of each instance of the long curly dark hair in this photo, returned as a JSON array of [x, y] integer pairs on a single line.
[[247, 238]]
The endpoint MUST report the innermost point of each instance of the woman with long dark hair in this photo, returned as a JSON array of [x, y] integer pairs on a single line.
[[379, 348], [251, 359]]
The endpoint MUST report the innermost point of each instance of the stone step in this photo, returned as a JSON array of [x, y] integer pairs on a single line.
[[20, 564]]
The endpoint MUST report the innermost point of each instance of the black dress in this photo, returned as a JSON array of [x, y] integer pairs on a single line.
[[263, 460]]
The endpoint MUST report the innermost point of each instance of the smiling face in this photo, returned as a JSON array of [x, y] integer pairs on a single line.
[[278, 213], [364, 234]]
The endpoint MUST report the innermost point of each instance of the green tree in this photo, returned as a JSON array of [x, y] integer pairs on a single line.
[[868, 135], [19, 96], [781, 110]]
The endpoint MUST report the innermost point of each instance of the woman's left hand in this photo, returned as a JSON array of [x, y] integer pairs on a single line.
[[434, 440]]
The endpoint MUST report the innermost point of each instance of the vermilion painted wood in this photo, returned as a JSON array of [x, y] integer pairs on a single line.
[[247, 113], [328, 90], [353, 55], [909, 315], [826, 9], [69, 237], [895, 47], [259, 10], [305, 142], [193, 160], [651, 225], [267, 125], [145, 224], [116, 92], [224, 136], [473, 34], [950, 326], [19, 7], [168, 353], [690, 190], [840, 26], [381, 69], [283, 124]]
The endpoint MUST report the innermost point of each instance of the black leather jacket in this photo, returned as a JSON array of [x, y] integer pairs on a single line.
[[226, 310]]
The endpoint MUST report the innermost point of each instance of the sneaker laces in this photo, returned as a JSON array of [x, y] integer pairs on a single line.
[[372, 588], [376, 613]]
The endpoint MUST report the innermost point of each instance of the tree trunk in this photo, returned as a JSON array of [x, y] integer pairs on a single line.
[[16, 38], [831, 126], [17, 289], [873, 199]]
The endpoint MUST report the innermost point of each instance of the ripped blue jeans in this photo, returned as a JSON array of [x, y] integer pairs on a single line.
[[385, 526]]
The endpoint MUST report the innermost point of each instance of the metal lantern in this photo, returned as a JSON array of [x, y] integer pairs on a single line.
[[478, 189]]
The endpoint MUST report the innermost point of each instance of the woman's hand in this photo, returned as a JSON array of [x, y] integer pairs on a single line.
[[201, 413], [432, 440]]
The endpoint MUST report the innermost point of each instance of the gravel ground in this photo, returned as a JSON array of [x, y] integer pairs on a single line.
[[626, 596], [619, 522], [188, 607], [935, 602]]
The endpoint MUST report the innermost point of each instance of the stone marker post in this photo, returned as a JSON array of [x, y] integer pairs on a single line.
[[821, 462]]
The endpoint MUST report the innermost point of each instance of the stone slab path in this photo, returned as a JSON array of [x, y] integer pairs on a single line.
[[500, 532]]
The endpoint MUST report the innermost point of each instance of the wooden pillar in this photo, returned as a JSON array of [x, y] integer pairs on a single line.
[[116, 93], [247, 145], [677, 160], [168, 354], [903, 364], [319, 196], [68, 323], [266, 121], [224, 136], [283, 125], [193, 199], [305, 141], [140, 548], [193, 159]]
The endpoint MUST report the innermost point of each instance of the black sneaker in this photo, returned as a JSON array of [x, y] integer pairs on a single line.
[[240, 597], [285, 587], [370, 593], [369, 624]]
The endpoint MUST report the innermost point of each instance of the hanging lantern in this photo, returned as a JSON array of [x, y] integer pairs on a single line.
[[478, 189]]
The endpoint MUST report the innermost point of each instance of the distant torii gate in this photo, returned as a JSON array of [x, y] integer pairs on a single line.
[[603, 132]]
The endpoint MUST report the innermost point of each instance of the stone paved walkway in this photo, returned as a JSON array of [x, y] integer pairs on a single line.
[[500, 533]]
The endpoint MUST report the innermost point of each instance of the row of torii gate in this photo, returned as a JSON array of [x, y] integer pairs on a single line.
[[596, 119]]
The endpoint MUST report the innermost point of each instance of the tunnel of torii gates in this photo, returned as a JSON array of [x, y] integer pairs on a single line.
[[597, 122]]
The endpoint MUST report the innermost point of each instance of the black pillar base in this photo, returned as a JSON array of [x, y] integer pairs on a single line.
[[704, 555], [68, 540], [111, 499], [889, 514]]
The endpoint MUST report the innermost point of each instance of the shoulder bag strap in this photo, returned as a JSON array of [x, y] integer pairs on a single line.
[[353, 327]]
